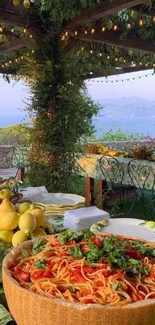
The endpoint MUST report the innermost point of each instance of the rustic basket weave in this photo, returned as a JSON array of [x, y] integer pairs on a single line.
[[29, 308]]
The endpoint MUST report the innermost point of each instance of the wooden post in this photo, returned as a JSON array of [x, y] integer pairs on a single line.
[[89, 190], [20, 174]]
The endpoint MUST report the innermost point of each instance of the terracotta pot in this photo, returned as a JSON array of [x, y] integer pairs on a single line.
[[28, 308]]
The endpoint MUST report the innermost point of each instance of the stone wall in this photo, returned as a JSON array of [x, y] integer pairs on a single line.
[[127, 145], [6, 156], [10, 157]]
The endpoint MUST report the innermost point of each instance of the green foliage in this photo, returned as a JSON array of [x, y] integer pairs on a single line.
[[119, 135], [18, 134], [63, 116]]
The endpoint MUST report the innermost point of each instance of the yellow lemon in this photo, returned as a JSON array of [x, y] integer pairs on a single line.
[[39, 214], [26, 4], [133, 14], [27, 223], [23, 207], [18, 238], [8, 220], [5, 194], [38, 233], [16, 2], [6, 205], [150, 224], [110, 25], [6, 236]]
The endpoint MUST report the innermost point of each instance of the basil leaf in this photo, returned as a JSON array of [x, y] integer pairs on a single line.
[[40, 264], [133, 262], [24, 253], [75, 251], [39, 242]]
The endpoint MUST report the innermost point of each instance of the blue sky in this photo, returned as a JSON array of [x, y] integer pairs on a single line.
[[14, 94]]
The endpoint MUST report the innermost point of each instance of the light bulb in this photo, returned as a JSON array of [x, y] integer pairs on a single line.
[[140, 22], [115, 27]]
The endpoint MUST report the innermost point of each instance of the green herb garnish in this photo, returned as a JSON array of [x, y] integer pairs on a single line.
[[40, 264]]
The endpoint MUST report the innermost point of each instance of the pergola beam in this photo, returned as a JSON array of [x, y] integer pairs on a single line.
[[101, 10], [11, 71], [14, 45], [9, 33], [114, 38], [101, 74]]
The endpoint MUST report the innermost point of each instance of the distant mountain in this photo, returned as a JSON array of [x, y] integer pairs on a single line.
[[130, 107], [7, 120]]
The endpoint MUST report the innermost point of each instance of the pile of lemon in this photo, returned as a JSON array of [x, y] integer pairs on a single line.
[[22, 222]]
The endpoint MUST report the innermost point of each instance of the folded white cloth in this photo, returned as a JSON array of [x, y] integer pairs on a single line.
[[84, 218], [34, 193]]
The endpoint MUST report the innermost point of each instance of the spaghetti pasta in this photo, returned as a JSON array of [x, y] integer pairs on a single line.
[[80, 267]]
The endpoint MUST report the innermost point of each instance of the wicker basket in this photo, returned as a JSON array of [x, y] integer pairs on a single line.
[[29, 308]]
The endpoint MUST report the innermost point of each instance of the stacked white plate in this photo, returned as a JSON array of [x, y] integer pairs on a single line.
[[84, 218], [57, 203]]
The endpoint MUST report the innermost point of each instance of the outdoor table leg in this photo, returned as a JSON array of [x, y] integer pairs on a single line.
[[89, 190], [100, 194]]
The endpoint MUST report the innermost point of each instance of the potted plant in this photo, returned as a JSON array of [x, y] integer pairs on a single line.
[[142, 153]]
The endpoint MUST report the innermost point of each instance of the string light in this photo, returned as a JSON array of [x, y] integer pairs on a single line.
[[103, 29], [25, 30], [12, 30], [1, 29], [122, 60], [115, 27], [93, 30], [15, 60], [66, 34], [30, 35], [76, 33], [129, 25], [140, 22], [122, 80], [86, 32]]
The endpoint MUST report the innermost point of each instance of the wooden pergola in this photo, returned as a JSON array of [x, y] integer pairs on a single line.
[[75, 31]]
